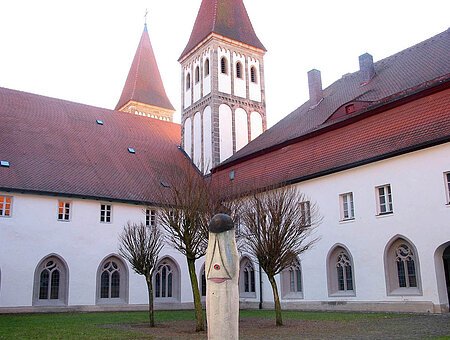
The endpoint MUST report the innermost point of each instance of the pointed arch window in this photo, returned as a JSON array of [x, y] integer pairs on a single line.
[[253, 75], [166, 282], [291, 282], [112, 282], [239, 70], [402, 269], [50, 283], [247, 285], [188, 82], [340, 273], [206, 67], [197, 74], [224, 65]]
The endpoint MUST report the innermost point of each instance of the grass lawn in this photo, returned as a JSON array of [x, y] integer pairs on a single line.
[[180, 325]]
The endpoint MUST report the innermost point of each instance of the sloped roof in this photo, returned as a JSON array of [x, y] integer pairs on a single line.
[[144, 83], [396, 74], [228, 18], [420, 123], [56, 146]]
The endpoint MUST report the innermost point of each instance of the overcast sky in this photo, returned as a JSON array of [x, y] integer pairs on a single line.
[[82, 50]]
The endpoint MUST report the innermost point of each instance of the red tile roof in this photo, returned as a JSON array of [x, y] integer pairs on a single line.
[[396, 74], [56, 146], [144, 83], [420, 123], [228, 18]]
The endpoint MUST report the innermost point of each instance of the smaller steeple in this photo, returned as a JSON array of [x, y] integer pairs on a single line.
[[144, 93]]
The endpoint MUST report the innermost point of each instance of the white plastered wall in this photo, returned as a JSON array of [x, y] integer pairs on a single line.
[[241, 124], [197, 139], [254, 87]]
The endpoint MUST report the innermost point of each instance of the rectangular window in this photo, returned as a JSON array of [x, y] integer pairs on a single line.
[[105, 213], [305, 211], [150, 217], [447, 185], [347, 207], [63, 211], [385, 199], [5, 206]]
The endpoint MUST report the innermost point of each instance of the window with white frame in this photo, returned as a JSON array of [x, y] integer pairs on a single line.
[[105, 213], [64, 210], [384, 204], [347, 207], [150, 217], [447, 185], [5, 206], [305, 211]]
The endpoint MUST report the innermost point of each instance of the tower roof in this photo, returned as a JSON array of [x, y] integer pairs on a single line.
[[228, 18], [144, 83]]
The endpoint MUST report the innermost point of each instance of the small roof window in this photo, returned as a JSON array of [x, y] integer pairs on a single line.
[[4, 164], [99, 122], [131, 150], [165, 184]]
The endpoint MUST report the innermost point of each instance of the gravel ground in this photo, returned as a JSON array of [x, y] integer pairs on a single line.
[[411, 326]]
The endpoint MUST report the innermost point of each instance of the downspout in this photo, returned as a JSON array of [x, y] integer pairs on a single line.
[[260, 288]]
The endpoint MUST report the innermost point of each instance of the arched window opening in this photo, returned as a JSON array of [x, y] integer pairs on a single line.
[[406, 269], [340, 273], [247, 283], [110, 281], [239, 70], [402, 268], [223, 65], [206, 67], [166, 280], [188, 81], [197, 74], [344, 272], [253, 75], [291, 282], [51, 282]]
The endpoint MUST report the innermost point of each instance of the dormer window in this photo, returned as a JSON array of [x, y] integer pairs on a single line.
[[223, 65], [188, 81], [253, 76], [350, 108], [206, 67], [197, 74], [239, 70]]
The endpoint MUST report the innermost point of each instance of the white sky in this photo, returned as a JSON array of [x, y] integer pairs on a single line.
[[82, 50]]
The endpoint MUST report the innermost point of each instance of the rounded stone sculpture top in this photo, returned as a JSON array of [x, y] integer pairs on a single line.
[[220, 223]]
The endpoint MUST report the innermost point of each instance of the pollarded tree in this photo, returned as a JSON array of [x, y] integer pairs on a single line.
[[277, 226], [185, 213], [140, 246]]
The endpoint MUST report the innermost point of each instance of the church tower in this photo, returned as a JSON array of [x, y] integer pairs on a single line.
[[144, 93], [223, 98]]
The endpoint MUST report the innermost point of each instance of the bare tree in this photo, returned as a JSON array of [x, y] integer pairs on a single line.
[[184, 216], [277, 226], [140, 246]]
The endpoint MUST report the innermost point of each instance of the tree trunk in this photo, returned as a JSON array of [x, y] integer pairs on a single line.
[[276, 299], [151, 314], [197, 300]]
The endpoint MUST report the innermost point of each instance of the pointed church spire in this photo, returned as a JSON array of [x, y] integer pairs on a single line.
[[144, 92], [228, 18]]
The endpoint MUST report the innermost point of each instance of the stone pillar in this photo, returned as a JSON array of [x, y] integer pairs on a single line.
[[222, 274]]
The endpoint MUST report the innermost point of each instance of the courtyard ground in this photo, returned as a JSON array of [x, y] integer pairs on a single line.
[[253, 325]]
